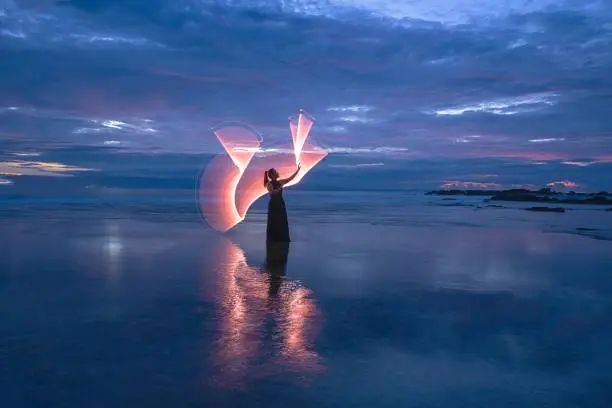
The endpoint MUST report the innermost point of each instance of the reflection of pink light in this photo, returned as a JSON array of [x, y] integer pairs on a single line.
[[236, 343], [298, 311], [244, 309], [231, 184]]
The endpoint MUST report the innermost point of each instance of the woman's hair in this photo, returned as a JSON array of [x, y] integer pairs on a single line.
[[269, 175]]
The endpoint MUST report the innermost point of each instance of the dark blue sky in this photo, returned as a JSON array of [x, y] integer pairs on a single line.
[[490, 91]]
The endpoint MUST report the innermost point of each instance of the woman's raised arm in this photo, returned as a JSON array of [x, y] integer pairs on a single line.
[[288, 179]]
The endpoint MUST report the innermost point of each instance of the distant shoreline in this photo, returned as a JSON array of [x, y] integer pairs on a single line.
[[533, 196]]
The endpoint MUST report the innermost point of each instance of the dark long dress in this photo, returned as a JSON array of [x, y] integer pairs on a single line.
[[278, 224]]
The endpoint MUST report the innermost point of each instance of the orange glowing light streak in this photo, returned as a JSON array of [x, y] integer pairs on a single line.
[[231, 184]]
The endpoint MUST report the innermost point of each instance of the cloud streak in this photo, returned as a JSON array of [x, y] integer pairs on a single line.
[[502, 106], [32, 168], [562, 184]]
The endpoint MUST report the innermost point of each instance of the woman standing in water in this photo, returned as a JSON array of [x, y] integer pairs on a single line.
[[278, 225]]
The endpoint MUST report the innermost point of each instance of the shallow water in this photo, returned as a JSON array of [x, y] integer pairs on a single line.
[[387, 300]]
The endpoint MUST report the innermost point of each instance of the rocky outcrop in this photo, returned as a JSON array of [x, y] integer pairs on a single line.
[[538, 196]]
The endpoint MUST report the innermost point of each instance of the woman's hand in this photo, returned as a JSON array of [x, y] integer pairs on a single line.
[[294, 175]]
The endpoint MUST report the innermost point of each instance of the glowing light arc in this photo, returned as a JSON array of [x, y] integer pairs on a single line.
[[232, 182]]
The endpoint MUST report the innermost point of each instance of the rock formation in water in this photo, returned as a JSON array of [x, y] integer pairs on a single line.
[[539, 196]]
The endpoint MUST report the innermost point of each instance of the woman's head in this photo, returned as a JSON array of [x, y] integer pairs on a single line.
[[271, 174]]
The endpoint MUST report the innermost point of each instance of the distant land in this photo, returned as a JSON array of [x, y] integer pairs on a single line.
[[544, 195]]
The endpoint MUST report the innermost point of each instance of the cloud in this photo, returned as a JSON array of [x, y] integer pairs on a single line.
[[563, 184], [337, 129], [383, 150], [5, 109], [104, 39], [59, 26], [354, 119], [452, 12], [481, 176], [31, 168], [12, 33], [368, 150], [112, 142], [96, 125], [475, 185], [586, 163], [356, 166], [446, 12], [26, 154], [503, 106], [451, 184], [579, 163], [350, 108], [102, 126], [552, 139], [467, 139], [355, 114]]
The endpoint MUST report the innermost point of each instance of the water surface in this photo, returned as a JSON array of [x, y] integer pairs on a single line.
[[385, 301]]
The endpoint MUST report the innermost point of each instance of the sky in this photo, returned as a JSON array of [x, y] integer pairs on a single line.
[[417, 93]]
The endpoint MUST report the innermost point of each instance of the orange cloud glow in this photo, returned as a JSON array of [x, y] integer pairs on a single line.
[[564, 184], [34, 168]]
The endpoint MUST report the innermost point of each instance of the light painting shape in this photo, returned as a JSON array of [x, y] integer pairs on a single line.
[[233, 181]]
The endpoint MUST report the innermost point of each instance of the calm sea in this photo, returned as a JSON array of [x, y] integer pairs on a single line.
[[388, 299]]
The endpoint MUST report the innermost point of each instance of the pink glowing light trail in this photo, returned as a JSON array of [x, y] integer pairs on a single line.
[[232, 182]]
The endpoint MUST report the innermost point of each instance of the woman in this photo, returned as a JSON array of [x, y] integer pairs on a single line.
[[278, 225]]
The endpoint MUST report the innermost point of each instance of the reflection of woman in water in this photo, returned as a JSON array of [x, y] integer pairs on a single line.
[[246, 346], [278, 225], [276, 265]]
